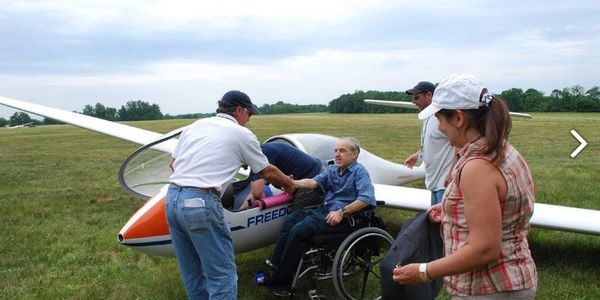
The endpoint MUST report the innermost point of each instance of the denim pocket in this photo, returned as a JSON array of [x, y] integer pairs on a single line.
[[196, 218]]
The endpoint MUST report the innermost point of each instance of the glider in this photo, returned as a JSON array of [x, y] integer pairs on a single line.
[[411, 105], [28, 124], [144, 174]]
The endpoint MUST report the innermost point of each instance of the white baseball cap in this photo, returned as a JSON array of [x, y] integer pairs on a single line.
[[457, 91]]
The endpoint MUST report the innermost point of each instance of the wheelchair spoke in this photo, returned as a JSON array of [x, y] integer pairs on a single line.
[[364, 284], [357, 264]]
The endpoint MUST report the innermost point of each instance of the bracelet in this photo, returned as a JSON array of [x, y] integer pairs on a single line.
[[344, 212], [423, 273]]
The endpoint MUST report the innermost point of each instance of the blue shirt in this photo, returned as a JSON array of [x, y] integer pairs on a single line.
[[341, 190]]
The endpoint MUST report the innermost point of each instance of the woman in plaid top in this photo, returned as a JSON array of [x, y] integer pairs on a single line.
[[488, 201]]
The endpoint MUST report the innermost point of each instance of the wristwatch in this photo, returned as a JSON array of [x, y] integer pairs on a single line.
[[423, 273], [344, 212]]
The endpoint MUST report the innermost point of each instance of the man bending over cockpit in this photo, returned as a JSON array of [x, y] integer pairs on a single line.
[[292, 162]]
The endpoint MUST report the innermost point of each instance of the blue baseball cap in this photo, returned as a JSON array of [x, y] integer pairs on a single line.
[[236, 98], [423, 86]]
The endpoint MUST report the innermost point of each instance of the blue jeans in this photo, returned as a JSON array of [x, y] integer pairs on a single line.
[[297, 241], [305, 201], [436, 196], [202, 242], [282, 238]]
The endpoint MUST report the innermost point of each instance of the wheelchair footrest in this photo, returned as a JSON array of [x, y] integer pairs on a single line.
[[312, 295]]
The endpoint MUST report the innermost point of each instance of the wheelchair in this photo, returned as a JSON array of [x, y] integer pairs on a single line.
[[351, 258]]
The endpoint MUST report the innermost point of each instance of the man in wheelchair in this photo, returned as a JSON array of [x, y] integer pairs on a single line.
[[348, 191]]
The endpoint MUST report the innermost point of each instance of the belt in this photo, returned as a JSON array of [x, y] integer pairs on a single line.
[[210, 190]]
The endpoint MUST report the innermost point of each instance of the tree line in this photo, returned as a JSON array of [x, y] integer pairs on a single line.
[[573, 99], [281, 107], [132, 111], [140, 110]]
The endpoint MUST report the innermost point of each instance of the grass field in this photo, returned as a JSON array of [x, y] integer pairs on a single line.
[[61, 206]]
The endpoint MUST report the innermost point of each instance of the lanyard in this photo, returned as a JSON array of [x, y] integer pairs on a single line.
[[423, 132]]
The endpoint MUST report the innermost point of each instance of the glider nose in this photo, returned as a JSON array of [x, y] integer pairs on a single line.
[[147, 229]]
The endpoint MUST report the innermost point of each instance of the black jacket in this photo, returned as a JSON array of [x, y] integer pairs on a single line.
[[419, 241]]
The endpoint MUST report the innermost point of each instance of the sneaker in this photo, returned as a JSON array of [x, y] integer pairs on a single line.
[[261, 278]]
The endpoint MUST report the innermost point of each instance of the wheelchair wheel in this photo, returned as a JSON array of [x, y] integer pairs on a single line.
[[356, 265]]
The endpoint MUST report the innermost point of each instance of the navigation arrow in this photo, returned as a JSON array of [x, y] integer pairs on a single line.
[[582, 142]]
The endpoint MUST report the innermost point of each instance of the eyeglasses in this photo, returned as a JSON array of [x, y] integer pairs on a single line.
[[248, 111]]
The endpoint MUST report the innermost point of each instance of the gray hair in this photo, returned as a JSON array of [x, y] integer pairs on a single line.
[[353, 142], [225, 108]]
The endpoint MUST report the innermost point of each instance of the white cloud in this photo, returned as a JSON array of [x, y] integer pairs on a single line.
[[273, 17], [185, 54]]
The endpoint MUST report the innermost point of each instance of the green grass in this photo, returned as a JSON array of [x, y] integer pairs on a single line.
[[61, 206]]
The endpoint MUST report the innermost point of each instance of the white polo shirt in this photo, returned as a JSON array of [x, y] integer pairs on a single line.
[[211, 151], [437, 154]]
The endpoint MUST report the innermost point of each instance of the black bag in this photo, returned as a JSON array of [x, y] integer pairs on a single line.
[[419, 241]]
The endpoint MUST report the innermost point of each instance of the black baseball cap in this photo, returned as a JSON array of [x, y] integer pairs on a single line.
[[237, 98], [423, 86]]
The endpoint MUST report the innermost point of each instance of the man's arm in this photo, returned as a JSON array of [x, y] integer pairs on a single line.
[[306, 183], [412, 159], [258, 189], [275, 176], [336, 216], [356, 206], [256, 192]]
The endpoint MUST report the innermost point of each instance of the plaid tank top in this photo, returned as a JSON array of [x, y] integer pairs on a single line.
[[514, 269]]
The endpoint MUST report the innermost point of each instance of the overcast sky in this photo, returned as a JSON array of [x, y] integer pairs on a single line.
[[183, 55]]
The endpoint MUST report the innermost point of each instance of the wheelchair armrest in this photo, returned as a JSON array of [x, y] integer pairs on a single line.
[[367, 216]]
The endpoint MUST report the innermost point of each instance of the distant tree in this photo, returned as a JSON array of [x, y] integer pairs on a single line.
[[281, 107], [88, 110], [139, 110], [574, 99], [354, 103], [514, 99], [3, 122], [594, 94], [100, 111], [534, 100], [555, 101], [19, 118]]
